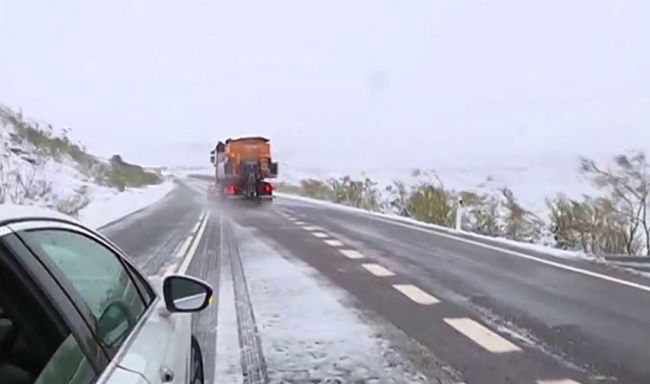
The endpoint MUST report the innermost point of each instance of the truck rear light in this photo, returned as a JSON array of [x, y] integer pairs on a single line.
[[231, 189], [267, 188]]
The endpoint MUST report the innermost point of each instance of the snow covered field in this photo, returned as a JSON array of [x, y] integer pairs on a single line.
[[109, 205]]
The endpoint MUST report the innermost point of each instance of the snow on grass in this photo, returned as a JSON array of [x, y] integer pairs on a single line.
[[528, 246], [109, 205], [532, 180], [46, 176], [539, 248], [308, 333], [27, 177]]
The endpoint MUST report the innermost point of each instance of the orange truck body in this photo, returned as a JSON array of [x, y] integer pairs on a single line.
[[249, 149], [241, 168]]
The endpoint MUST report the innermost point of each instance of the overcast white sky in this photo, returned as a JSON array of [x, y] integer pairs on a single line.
[[335, 83]]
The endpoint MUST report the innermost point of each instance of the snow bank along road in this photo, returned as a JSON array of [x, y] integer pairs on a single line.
[[310, 293]]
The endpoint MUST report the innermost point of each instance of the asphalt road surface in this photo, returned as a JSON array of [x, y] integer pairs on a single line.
[[469, 311]]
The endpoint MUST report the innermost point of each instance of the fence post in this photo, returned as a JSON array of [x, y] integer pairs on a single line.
[[459, 214]]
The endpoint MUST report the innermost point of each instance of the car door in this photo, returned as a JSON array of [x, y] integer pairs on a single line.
[[165, 338], [127, 318]]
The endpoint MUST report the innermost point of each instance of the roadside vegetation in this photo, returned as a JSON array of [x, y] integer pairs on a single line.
[[122, 175], [615, 221], [28, 148]]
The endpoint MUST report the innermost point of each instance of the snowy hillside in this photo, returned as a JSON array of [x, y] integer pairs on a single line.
[[42, 166]]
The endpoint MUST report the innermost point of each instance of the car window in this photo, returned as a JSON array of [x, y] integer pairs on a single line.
[[143, 285], [67, 365], [99, 278], [35, 347]]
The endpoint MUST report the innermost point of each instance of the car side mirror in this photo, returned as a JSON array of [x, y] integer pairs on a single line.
[[186, 294]]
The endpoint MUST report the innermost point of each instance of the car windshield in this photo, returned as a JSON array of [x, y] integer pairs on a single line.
[[368, 191]]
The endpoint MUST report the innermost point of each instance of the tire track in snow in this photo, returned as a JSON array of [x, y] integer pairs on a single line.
[[252, 357], [206, 266]]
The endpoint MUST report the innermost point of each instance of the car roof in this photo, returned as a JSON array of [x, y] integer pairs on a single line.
[[14, 212]]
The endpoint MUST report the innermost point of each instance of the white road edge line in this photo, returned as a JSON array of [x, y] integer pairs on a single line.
[[562, 381], [524, 256], [377, 270], [351, 253], [197, 239], [481, 335], [416, 294], [198, 223], [333, 243], [312, 228], [182, 251], [320, 235], [299, 223]]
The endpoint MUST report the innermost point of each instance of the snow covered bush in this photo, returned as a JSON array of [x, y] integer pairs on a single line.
[[591, 225], [316, 189], [344, 190], [73, 203], [498, 213], [398, 198], [616, 222], [121, 175], [355, 193], [18, 186], [481, 213], [432, 203], [519, 223]]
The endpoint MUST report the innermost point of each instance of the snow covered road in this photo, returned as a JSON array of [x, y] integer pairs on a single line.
[[299, 327], [311, 294], [310, 329]]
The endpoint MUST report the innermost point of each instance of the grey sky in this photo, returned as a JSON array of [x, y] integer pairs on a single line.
[[335, 82]]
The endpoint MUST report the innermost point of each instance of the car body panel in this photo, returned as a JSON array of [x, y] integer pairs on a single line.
[[122, 376], [163, 342]]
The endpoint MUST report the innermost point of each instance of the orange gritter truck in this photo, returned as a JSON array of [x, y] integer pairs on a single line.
[[242, 167]]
